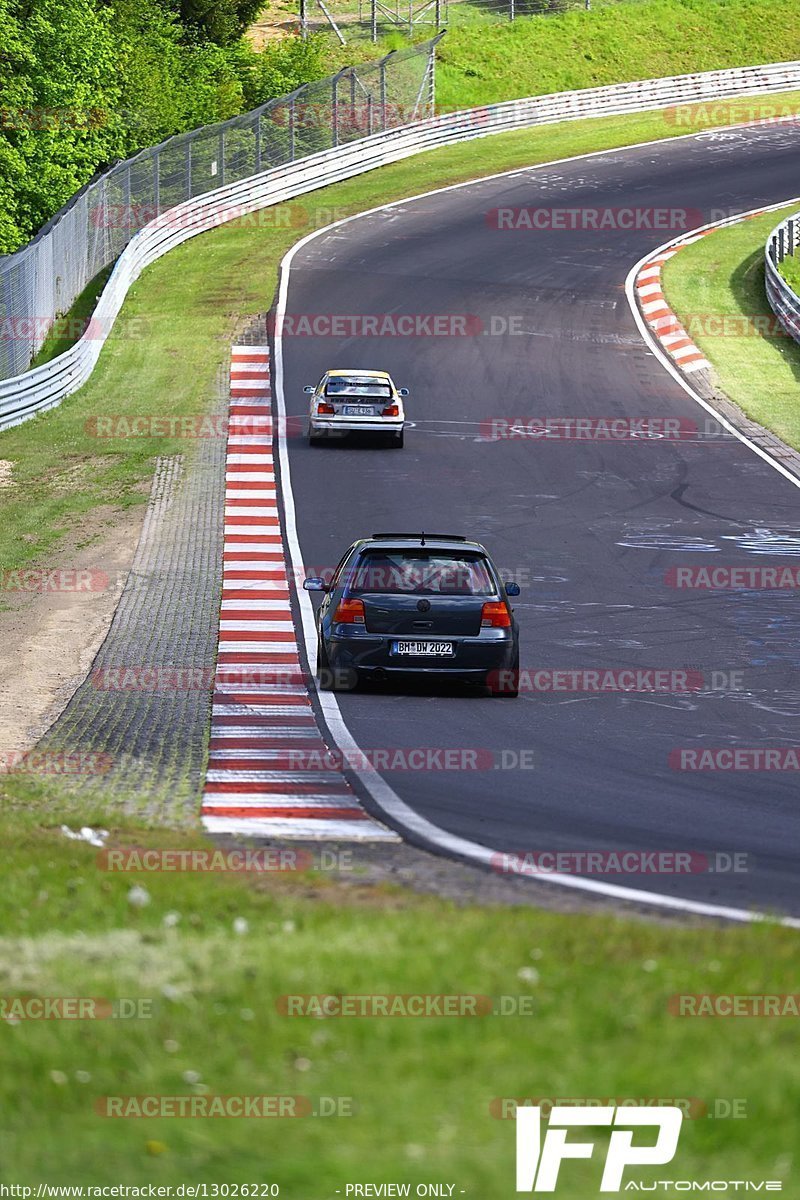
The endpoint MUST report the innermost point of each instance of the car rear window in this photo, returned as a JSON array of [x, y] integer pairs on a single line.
[[423, 573], [358, 387]]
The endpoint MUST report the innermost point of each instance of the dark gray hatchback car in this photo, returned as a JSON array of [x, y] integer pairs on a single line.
[[417, 604]]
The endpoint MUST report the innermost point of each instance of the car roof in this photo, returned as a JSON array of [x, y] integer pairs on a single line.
[[367, 374], [413, 541]]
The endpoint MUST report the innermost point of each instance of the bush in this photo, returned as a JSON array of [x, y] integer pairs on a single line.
[[283, 67], [221, 21]]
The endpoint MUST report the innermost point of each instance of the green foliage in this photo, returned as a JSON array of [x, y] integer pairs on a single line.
[[86, 82], [59, 101], [283, 67], [171, 82], [151, 62]]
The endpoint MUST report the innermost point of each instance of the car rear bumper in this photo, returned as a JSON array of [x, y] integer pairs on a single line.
[[356, 425], [473, 657]]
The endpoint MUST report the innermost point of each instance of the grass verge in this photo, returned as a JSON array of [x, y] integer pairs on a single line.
[[594, 1021], [716, 286]]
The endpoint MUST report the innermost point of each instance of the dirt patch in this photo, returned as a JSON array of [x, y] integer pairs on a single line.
[[57, 616], [6, 468], [276, 20], [262, 35]]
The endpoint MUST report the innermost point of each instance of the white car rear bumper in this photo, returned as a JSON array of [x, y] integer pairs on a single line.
[[357, 424]]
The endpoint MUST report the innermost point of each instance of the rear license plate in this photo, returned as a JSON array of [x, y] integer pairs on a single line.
[[423, 649], [359, 410]]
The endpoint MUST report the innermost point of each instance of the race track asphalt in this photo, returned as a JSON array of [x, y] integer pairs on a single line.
[[588, 527]]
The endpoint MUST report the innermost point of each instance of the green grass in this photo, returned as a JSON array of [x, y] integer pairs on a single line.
[[597, 1025], [485, 59], [722, 275], [66, 330], [790, 270]]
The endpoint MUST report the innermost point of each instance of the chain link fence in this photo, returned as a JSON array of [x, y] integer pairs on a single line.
[[42, 280]]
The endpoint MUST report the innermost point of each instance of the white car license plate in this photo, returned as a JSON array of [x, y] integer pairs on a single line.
[[359, 410], [424, 649]]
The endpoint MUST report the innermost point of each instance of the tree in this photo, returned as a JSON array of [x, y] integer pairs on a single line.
[[84, 83], [60, 106], [222, 21]]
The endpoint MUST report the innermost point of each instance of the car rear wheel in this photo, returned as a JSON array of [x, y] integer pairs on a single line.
[[315, 439], [341, 680], [397, 440], [324, 673], [504, 683]]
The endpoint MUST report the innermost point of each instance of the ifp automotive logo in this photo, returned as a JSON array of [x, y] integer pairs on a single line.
[[539, 1160]]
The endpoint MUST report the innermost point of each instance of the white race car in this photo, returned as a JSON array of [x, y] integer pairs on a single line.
[[356, 402]]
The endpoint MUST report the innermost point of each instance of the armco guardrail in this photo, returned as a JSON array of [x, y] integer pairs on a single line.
[[785, 303], [45, 386]]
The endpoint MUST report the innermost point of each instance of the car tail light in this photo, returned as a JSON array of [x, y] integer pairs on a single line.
[[322, 407], [495, 615], [349, 612], [392, 411]]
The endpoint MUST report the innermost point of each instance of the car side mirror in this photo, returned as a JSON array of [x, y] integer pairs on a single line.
[[512, 589], [312, 584], [402, 391], [309, 390]]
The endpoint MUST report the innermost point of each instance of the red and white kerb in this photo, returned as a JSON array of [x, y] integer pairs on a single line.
[[258, 728]]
